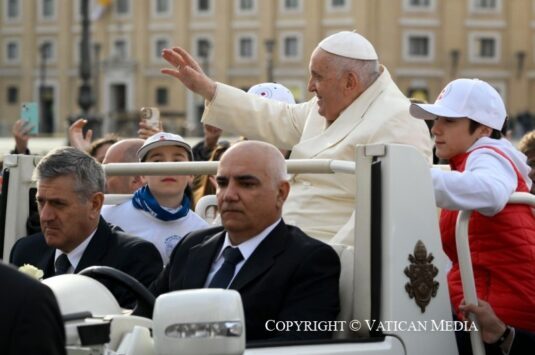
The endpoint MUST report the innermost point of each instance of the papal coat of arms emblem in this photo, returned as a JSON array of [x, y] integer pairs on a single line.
[[421, 272]]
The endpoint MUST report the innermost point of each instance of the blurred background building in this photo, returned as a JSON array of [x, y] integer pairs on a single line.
[[424, 44]]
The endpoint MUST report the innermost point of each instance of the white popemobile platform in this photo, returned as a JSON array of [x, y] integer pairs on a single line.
[[393, 287]]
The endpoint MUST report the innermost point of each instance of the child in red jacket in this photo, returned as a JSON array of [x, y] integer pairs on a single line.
[[486, 169]]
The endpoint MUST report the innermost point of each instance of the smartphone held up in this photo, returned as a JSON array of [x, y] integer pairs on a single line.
[[29, 112], [151, 115]]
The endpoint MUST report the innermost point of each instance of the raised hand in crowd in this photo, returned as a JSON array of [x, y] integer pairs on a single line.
[[21, 132], [76, 135], [189, 72]]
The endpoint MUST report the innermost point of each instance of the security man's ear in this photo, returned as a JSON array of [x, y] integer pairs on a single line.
[[97, 201], [282, 193]]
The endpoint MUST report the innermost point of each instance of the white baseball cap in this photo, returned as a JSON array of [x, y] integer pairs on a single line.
[[161, 139], [350, 45], [273, 91], [472, 98]]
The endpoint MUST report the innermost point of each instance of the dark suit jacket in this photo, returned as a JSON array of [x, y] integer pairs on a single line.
[[30, 321], [289, 276], [523, 341], [109, 247]]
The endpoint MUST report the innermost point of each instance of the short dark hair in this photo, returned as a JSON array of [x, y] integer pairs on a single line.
[[68, 161], [95, 145], [496, 134]]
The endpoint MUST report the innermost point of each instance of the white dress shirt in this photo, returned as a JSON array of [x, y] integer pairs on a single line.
[[76, 254], [246, 248]]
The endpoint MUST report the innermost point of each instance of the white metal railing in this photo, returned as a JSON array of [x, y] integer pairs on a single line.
[[465, 262], [303, 166]]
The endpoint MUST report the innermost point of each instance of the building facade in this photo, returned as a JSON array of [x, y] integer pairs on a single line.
[[424, 44]]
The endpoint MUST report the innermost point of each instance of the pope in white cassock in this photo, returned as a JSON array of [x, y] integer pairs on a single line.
[[356, 102]]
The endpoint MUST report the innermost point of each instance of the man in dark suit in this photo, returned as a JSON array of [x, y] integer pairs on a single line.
[[70, 194], [281, 273], [30, 321]]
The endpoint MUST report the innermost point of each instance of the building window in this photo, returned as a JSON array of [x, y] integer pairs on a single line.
[[484, 47], [246, 47], [159, 45], [47, 51], [203, 6], [291, 49], [291, 4], [120, 50], [122, 7], [419, 5], [12, 51], [47, 10], [485, 6], [13, 9], [12, 95], [418, 46], [162, 96], [337, 5], [203, 48], [487, 48], [245, 7], [162, 6], [291, 46]]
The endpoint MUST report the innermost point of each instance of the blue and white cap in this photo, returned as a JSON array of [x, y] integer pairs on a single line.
[[161, 139]]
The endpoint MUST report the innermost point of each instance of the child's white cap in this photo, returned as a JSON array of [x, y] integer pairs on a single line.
[[472, 98], [273, 91], [161, 139]]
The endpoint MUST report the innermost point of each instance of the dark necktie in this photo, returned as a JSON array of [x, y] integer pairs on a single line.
[[62, 264], [224, 275]]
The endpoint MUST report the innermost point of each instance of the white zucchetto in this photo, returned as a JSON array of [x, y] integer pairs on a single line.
[[350, 45]]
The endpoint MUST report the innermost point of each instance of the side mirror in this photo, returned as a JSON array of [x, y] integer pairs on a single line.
[[203, 321]]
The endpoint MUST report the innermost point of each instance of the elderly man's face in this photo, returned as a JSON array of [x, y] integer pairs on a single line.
[[329, 88], [248, 197], [65, 220]]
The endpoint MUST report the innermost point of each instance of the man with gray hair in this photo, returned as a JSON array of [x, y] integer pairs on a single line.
[[70, 194], [356, 102], [281, 273]]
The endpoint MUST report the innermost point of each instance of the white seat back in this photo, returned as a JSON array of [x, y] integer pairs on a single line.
[[346, 254]]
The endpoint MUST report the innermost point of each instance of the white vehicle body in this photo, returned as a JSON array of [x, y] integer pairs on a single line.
[[397, 260]]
